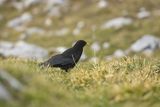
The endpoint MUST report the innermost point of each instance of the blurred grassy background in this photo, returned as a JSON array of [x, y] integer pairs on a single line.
[[93, 17]]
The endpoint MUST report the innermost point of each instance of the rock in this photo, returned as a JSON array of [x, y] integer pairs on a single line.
[[23, 50], [80, 24], [2, 2], [143, 14], [106, 45], [55, 2], [34, 30], [21, 5], [4, 94], [20, 21], [30, 31], [5, 45], [18, 5], [117, 23], [62, 32], [95, 47], [102, 4], [76, 31], [28, 3], [48, 22], [13, 82], [8, 82], [147, 42], [78, 28], [54, 7], [119, 53], [55, 11]]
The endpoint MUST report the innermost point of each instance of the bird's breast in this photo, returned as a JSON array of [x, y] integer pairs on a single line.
[[77, 55]]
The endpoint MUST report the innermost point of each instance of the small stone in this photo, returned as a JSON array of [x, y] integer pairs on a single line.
[[28, 3], [20, 21], [4, 94], [80, 24], [55, 2], [76, 32], [5, 45], [54, 12], [117, 23], [30, 31], [143, 14], [22, 49], [48, 22], [18, 5], [78, 28], [102, 4], [147, 42], [34, 30], [13, 82], [2, 2]]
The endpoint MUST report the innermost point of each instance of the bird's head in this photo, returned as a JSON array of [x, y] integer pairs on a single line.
[[80, 44]]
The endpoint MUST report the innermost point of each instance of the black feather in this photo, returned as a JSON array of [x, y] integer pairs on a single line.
[[68, 58]]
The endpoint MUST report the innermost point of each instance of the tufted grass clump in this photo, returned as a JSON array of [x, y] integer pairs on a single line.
[[122, 82]]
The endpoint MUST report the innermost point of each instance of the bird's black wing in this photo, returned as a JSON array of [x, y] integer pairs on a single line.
[[60, 60], [68, 52]]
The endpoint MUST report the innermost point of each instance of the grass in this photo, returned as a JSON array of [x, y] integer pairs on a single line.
[[118, 83]]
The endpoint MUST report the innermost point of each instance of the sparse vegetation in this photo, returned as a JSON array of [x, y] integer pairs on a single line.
[[125, 82]]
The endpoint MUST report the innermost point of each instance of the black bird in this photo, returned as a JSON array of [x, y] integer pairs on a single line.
[[68, 58]]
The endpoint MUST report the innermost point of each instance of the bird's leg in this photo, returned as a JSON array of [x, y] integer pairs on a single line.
[[66, 70], [74, 60]]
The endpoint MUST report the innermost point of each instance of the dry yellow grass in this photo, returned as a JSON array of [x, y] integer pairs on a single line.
[[124, 82]]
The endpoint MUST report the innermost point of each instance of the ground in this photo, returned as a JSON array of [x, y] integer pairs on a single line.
[[125, 82]]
